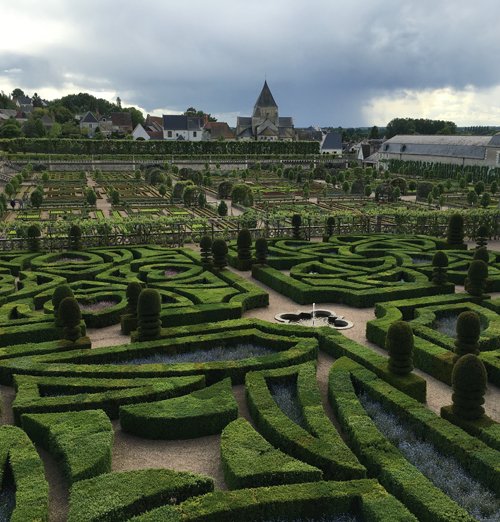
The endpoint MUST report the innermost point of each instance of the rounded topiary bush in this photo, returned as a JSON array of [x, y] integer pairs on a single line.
[[206, 251], [439, 265], [329, 226], [399, 343], [261, 250], [34, 234], [70, 317], [455, 236], [60, 293], [468, 332], [75, 237], [133, 291], [148, 314], [469, 379], [482, 235], [219, 251], [244, 245], [477, 276], [482, 254], [296, 224]]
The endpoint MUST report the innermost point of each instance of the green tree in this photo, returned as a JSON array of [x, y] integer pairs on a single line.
[[10, 129], [36, 198], [485, 200], [222, 209], [90, 197], [374, 134]]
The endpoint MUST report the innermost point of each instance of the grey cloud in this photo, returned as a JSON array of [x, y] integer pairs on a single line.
[[323, 59]]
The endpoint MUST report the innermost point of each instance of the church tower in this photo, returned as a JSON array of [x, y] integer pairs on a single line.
[[265, 108]]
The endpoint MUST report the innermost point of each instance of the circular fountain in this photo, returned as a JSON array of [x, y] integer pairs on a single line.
[[315, 318]]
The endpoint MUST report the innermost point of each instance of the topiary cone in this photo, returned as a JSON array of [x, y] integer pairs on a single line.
[[469, 379], [399, 343], [455, 235], [70, 317], [148, 314], [477, 275], [61, 292], [439, 263], [219, 250], [133, 291], [468, 332], [261, 250], [244, 244]]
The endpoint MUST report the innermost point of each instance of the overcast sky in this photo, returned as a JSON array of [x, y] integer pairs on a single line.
[[327, 62]]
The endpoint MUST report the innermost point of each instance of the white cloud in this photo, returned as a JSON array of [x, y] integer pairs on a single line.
[[469, 106]]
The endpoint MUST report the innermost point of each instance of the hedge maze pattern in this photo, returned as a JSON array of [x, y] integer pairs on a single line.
[[364, 270], [287, 460]]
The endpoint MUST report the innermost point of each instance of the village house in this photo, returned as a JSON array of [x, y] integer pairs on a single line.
[[181, 127]]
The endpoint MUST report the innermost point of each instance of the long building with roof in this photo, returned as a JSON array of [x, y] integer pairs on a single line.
[[457, 150], [265, 124]]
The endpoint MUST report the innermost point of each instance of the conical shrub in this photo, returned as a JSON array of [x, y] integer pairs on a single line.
[[148, 314], [60, 293], [134, 289], [455, 236], [296, 224], [399, 343], [468, 332], [206, 252], [477, 277], [70, 317], [469, 379], [261, 250], [75, 237], [244, 245], [439, 265], [34, 234], [482, 235], [219, 251], [482, 254]]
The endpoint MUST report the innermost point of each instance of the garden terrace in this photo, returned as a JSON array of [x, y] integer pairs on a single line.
[[226, 415]]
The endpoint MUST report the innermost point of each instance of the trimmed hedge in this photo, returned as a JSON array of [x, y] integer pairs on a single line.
[[433, 351], [337, 345], [81, 441], [248, 460], [121, 495], [306, 501], [320, 445], [202, 412], [485, 429], [62, 394], [99, 361], [482, 462], [31, 489], [383, 459]]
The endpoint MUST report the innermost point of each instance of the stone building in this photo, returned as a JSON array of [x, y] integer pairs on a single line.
[[265, 124], [457, 150]]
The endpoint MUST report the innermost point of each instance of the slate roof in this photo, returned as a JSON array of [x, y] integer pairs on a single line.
[[495, 140], [451, 146], [265, 98], [365, 150], [333, 141], [181, 122], [285, 121], [121, 119], [218, 129], [244, 121], [89, 118]]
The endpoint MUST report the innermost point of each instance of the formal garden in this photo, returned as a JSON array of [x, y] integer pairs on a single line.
[[145, 376]]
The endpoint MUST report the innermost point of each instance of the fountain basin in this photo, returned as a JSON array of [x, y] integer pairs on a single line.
[[316, 318]]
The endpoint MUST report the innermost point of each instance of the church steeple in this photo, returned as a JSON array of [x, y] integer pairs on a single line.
[[265, 98]]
